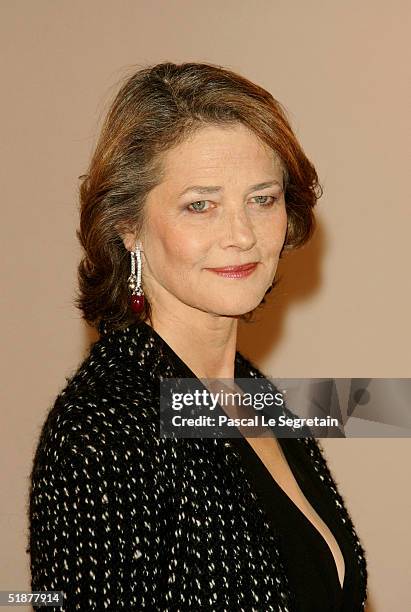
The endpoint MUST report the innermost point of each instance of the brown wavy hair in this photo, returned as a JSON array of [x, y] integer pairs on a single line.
[[154, 110]]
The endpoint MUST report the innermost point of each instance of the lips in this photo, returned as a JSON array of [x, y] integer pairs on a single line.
[[235, 271], [241, 268]]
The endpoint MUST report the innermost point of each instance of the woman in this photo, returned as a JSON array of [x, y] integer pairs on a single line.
[[196, 187]]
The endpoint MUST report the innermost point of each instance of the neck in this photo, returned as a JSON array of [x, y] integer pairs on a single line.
[[205, 342]]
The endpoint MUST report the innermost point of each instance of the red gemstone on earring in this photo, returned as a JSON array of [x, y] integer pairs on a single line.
[[137, 303]]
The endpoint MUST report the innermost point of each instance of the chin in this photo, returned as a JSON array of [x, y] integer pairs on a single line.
[[235, 307]]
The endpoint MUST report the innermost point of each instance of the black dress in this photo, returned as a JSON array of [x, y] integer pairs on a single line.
[[310, 564]]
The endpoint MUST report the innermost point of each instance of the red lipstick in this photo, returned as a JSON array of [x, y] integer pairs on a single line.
[[235, 271]]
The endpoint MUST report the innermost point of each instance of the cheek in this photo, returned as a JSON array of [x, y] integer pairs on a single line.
[[176, 245], [272, 235]]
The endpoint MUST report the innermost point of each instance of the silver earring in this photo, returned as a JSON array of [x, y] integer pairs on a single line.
[[134, 282]]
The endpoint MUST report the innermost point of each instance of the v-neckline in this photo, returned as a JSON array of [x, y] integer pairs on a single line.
[[244, 447]]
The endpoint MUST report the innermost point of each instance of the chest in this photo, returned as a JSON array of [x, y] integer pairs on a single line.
[[271, 455]]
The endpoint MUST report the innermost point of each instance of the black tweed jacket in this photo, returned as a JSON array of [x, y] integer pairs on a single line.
[[122, 519]]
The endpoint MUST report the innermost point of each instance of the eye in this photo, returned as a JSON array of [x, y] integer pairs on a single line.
[[263, 200], [198, 207]]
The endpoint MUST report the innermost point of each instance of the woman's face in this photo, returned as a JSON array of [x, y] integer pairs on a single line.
[[212, 211]]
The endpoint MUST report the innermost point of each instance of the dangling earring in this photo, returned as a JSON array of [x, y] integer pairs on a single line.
[[134, 282]]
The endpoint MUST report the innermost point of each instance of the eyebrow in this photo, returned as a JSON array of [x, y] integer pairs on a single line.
[[217, 188]]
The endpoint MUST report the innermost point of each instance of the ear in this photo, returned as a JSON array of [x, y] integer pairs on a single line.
[[129, 240], [127, 235]]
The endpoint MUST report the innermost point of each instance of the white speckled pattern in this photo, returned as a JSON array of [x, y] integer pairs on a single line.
[[121, 519]]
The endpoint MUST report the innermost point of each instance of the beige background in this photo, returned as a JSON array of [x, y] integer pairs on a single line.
[[341, 310]]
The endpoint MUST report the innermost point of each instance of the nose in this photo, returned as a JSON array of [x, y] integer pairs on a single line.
[[237, 230]]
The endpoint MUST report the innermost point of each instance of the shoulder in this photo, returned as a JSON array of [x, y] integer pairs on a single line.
[[98, 413], [246, 367]]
